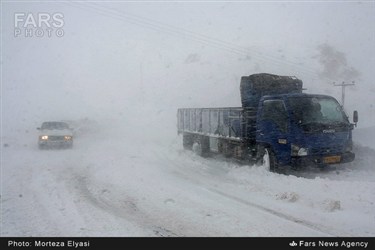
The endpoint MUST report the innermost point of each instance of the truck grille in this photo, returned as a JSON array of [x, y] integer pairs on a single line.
[[326, 150]]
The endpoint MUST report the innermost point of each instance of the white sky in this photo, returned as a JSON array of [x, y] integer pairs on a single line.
[[115, 56]]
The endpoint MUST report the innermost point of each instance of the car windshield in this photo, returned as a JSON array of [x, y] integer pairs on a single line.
[[54, 125], [322, 110]]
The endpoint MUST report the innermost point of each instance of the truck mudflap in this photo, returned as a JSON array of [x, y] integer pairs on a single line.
[[316, 160]]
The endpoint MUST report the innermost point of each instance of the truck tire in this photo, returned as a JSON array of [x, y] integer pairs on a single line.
[[227, 149], [205, 144], [187, 141], [197, 148], [269, 160], [201, 146]]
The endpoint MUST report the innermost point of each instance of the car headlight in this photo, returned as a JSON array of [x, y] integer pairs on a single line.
[[44, 137], [298, 151], [67, 137]]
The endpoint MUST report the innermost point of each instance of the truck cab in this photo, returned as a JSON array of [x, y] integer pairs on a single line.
[[303, 129]]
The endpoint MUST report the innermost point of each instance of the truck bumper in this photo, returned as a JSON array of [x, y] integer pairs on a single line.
[[320, 160]]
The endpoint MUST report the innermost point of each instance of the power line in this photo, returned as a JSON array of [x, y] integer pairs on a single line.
[[172, 30], [152, 26], [233, 47]]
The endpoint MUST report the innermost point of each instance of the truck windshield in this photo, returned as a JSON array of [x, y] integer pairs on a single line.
[[317, 110]]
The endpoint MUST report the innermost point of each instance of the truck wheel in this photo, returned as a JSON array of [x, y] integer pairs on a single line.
[[197, 148], [187, 141], [227, 149], [201, 146], [269, 160]]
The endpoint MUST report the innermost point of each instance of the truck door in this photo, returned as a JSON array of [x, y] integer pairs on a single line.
[[273, 127]]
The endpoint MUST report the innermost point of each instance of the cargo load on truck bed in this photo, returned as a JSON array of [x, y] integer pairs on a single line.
[[237, 123], [255, 86]]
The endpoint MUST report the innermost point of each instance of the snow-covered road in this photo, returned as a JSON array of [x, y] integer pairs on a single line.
[[118, 182], [119, 70]]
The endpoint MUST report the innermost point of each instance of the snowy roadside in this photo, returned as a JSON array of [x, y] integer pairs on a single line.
[[115, 182]]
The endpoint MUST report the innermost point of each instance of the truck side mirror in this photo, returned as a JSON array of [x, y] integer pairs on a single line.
[[355, 117]]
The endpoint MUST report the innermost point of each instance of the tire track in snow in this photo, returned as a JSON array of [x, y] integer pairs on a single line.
[[128, 211], [277, 214], [310, 225], [320, 228]]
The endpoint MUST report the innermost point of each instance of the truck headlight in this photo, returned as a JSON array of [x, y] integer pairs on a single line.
[[44, 137], [298, 151], [67, 137]]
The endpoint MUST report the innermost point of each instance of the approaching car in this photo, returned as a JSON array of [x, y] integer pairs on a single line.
[[55, 135]]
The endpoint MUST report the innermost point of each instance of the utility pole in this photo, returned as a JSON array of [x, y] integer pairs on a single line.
[[141, 82], [343, 85]]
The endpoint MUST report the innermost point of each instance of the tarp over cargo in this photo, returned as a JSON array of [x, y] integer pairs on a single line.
[[255, 86]]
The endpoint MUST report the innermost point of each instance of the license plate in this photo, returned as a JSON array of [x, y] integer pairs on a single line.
[[332, 159]]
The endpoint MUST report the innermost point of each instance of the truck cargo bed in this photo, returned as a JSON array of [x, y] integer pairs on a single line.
[[234, 123]]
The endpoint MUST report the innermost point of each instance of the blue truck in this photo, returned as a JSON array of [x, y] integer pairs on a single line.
[[278, 125]]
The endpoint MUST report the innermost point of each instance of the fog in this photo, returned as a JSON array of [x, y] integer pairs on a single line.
[[114, 59], [118, 71]]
